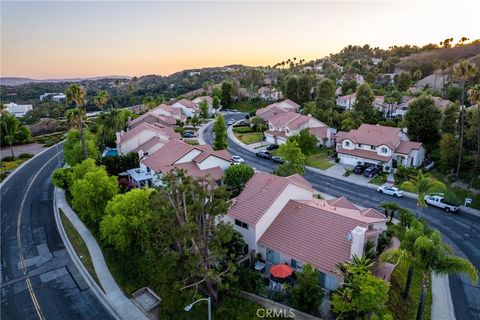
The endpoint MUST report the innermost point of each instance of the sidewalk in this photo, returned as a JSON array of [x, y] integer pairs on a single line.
[[112, 296], [327, 173]]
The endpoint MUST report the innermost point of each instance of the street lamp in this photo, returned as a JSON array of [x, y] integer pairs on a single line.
[[189, 307]]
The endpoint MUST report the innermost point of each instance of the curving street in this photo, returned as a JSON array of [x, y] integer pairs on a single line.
[[460, 230], [38, 278]]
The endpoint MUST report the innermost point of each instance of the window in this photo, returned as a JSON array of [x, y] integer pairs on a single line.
[[359, 145], [241, 224], [373, 148], [148, 169], [347, 143], [383, 150], [293, 263]]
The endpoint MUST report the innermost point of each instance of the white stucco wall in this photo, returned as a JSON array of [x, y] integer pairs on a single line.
[[212, 161], [189, 156], [248, 235], [142, 137]]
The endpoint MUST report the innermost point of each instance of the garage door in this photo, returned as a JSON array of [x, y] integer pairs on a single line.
[[350, 160]]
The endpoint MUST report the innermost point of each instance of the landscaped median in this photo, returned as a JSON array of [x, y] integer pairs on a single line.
[[247, 135]]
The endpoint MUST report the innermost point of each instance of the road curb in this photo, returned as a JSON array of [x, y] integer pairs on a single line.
[[112, 297], [26, 162], [78, 263], [410, 195]]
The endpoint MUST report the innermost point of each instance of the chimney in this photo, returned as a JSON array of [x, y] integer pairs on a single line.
[[358, 241]]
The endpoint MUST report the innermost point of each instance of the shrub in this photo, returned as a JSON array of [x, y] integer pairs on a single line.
[[25, 156], [62, 178], [243, 129], [118, 164], [8, 159]]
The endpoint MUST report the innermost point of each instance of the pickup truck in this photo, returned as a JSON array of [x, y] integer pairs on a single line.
[[439, 201]]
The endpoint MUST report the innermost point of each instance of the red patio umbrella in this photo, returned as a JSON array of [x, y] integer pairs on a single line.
[[281, 271]]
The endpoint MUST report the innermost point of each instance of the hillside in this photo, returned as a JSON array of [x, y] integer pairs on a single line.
[[16, 81], [424, 59]]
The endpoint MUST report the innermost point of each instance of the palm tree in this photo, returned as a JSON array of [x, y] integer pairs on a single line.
[[433, 256], [422, 185], [76, 94], [101, 99], [474, 98], [390, 208], [71, 117], [462, 72]]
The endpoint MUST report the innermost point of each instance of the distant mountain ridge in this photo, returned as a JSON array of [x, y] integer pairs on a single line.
[[15, 81]]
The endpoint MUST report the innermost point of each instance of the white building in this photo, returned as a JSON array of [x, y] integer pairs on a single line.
[[18, 110], [378, 145]]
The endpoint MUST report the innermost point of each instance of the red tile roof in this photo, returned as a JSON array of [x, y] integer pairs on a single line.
[[189, 104], [146, 126], [193, 170], [151, 118], [260, 193], [364, 154], [319, 132], [313, 233], [404, 147], [374, 135]]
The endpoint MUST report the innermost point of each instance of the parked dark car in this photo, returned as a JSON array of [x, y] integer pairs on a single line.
[[360, 168], [264, 154], [243, 123], [188, 134], [272, 146], [370, 172], [277, 159]]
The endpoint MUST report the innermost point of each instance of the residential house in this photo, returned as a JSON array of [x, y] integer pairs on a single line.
[[18, 110], [280, 219], [152, 118], [278, 107], [144, 138], [189, 108], [166, 110], [197, 161], [270, 94], [209, 101], [285, 124], [346, 102], [378, 145]]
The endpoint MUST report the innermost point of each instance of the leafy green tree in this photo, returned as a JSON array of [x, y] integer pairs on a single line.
[[294, 159], [349, 86], [303, 91], [226, 94], [9, 128], [194, 121], [351, 120], [91, 193], [236, 176], [364, 103], [390, 208], [449, 118], [61, 178], [474, 98], [307, 294], [448, 150], [221, 139], [125, 224], [404, 81], [462, 72], [423, 184], [291, 89], [417, 74], [306, 141], [108, 124], [73, 150], [215, 103], [186, 211], [363, 296], [76, 94], [423, 119], [121, 163], [203, 105], [259, 125], [325, 94]]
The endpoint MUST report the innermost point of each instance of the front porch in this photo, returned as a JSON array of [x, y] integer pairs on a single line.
[[140, 177]]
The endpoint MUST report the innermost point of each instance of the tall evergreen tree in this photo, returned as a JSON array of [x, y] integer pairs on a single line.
[[449, 118], [221, 139], [364, 103], [291, 89], [423, 120]]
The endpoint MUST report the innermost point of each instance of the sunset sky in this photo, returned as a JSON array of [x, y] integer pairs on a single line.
[[72, 39]]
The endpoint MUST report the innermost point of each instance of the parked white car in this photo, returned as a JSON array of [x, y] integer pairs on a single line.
[[390, 190], [230, 122], [437, 200], [237, 159]]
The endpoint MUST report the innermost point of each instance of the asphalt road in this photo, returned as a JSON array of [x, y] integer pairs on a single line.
[[38, 278], [460, 230]]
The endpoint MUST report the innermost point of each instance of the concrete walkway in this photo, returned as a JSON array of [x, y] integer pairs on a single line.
[[112, 295]]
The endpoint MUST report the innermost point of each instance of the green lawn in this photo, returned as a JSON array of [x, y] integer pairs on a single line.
[[378, 180], [248, 106], [248, 138], [9, 166], [79, 246], [319, 159], [407, 310]]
